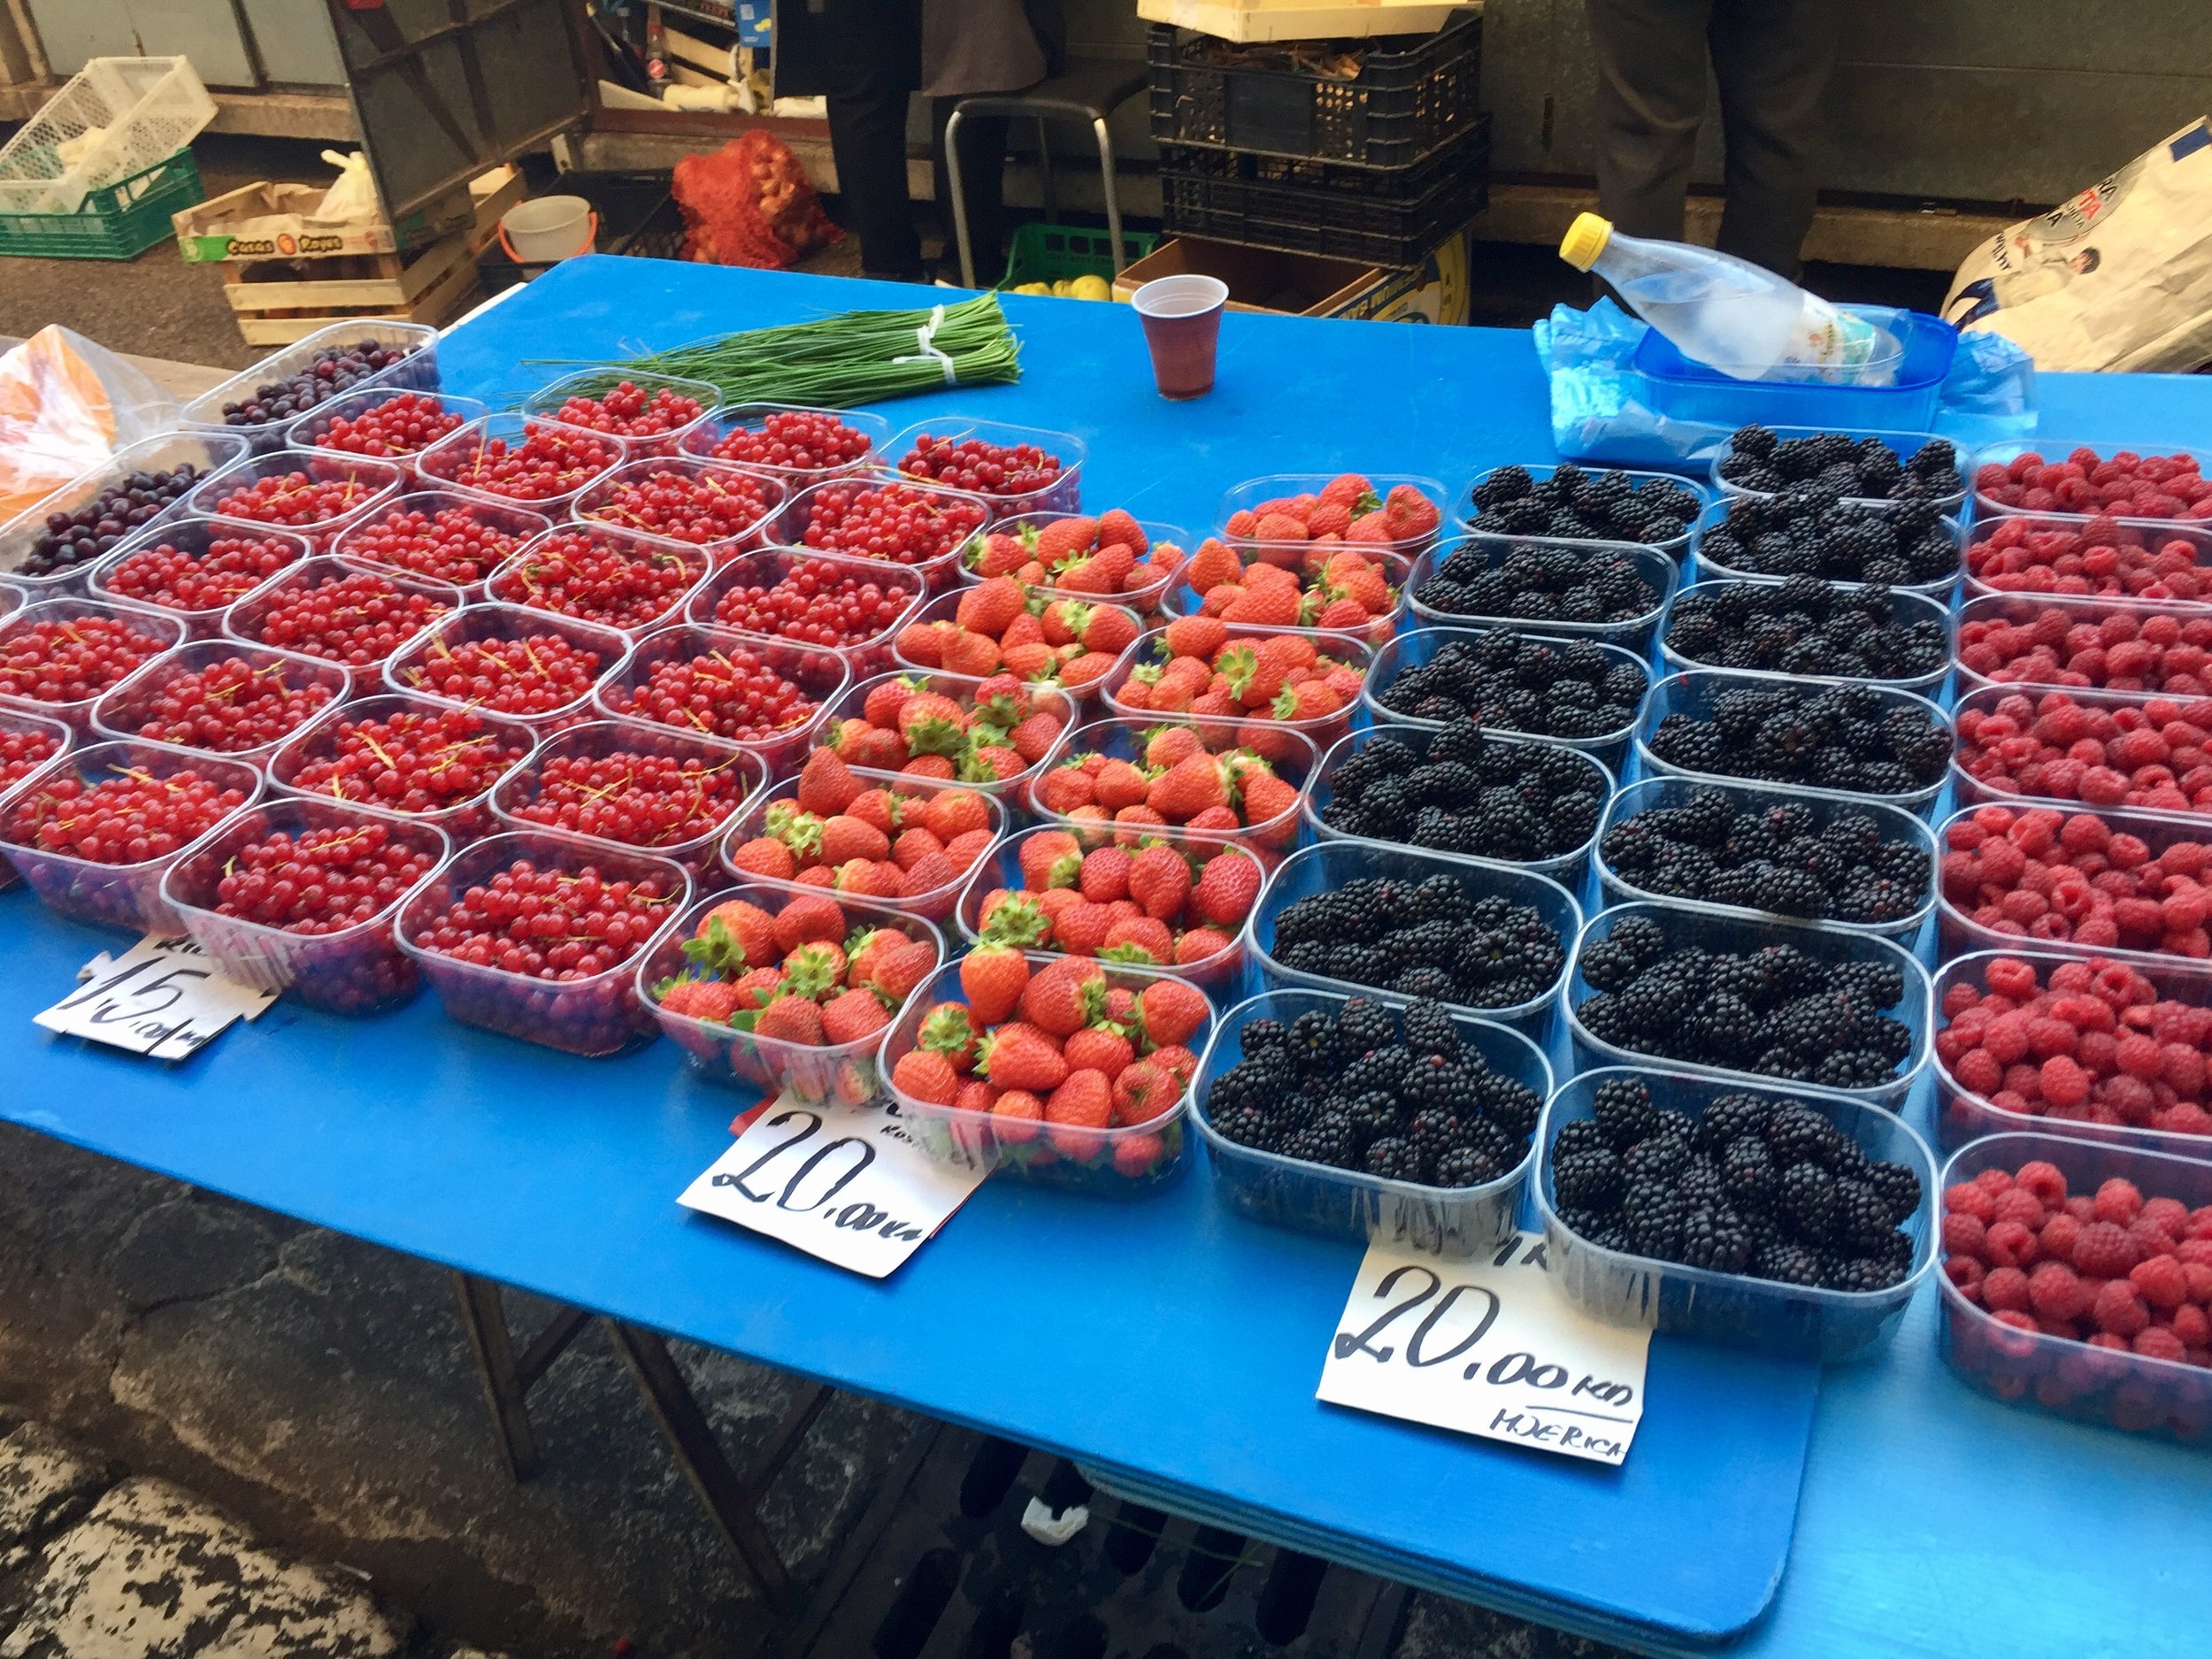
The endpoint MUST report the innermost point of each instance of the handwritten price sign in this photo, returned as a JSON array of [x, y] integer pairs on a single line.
[[1486, 1347], [849, 1184], [163, 997]]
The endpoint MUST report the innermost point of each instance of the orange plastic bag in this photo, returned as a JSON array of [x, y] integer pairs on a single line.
[[749, 203], [66, 405]]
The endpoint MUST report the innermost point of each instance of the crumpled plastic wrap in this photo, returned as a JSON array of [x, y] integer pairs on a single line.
[[66, 405]]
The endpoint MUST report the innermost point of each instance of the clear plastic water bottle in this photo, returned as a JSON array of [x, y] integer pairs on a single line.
[[1733, 315]]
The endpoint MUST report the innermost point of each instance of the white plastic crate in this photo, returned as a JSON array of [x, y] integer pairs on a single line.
[[116, 116]]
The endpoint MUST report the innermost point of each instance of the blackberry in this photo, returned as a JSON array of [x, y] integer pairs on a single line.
[[1805, 1201], [1862, 1274], [1653, 1214], [1439, 1086], [1808, 626], [1259, 1036], [1656, 1157], [1364, 1025], [1528, 582], [1466, 1166], [1608, 965], [1434, 1131], [1374, 1114], [1624, 1112], [1899, 1189], [1426, 981], [1251, 1126], [1582, 1135], [1431, 1031], [1860, 1220], [1715, 1238], [1384, 1068], [1518, 683], [1591, 1177], [1311, 1041], [1729, 1118], [1788, 1264], [1392, 1158], [1514, 1107], [1608, 506], [1747, 1174]]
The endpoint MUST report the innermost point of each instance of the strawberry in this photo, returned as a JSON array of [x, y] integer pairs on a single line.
[[1273, 605], [869, 879], [1139, 817], [1034, 660], [1119, 784], [1173, 1011], [901, 967], [1033, 737], [845, 837], [936, 767], [1243, 523], [827, 785], [1215, 562], [1217, 819], [1198, 943], [759, 988], [1177, 1061], [993, 977], [1144, 1091], [992, 762], [852, 1016], [1081, 929], [1050, 859], [713, 1000], [807, 919], [816, 876], [1279, 526], [926, 1076], [1098, 1048], [946, 1030], [990, 606], [1188, 789], [929, 873], [1020, 1056], [1408, 513], [1313, 699], [1081, 1105], [815, 968], [1195, 636], [976, 1095], [1088, 669], [1014, 918], [1227, 887], [1164, 745], [1012, 1116], [1105, 875], [1117, 529], [1063, 788], [1363, 584], [1143, 939], [763, 856], [912, 845], [932, 724], [1349, 491], [1330, 518], [1063, 997], [881, 808], [1337, 616], [952, 813], [791, 1018], [1063, 538], [876, 747], [995, 555], [885, 699], [967, 653], [923, 642], [751, 930], [1160, 881], [963, 850]]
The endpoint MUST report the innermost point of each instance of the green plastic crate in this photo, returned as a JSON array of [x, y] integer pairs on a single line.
[[118, 221], [1054, 253]]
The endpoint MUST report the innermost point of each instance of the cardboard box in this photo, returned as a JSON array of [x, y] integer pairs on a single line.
[[276, 221], [1306, 285]]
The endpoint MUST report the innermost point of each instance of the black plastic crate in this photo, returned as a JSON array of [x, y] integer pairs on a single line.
[[1413, 94], [1342, 212]]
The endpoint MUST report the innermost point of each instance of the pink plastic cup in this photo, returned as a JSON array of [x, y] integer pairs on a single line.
[[1182, 325]]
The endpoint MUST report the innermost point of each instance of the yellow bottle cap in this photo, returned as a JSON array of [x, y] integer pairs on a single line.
[[1585, 240]]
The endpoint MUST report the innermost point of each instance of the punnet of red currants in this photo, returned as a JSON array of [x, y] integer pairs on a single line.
[[357, 618], [195, 572], [550, 461], [458, 543], [591, 573], [419, 762], [977, 464], [402, 423], [228, 703], [526, 673], [795, 440], [628, 411], [71, 656], [701, 506]]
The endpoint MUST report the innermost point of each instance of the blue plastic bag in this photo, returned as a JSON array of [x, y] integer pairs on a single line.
[[1601, 409]]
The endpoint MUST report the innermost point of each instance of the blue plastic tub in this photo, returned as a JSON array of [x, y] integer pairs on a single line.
[[1685, 390]]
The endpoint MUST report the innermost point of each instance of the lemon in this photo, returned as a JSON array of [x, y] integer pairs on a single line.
[[1033, 287], [1091, 288]]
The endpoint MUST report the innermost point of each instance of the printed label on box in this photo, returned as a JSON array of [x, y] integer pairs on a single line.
[[163, 997], [1485, 1347], [850, 1184]]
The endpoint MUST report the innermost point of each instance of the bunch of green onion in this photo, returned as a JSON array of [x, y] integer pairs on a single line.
[[853, 357]]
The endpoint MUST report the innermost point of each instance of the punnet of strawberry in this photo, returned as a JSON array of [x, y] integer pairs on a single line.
[[1322, 584], [788, 991], [1401, 513], [1065, 1071], [1001, 624], [1219, 672], [1173, 901], [989, 732], [1110, 556], [1119, 779], [907, 843]]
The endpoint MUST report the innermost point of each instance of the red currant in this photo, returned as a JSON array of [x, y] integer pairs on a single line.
[[458, 544], [989, 469], [232, 706], [414, 761], [898, 522], [598, 576], [195, 572], [659, 498], [550, 461], [23, 748], [321, 880], [635, 796], [727, 690], [628, 412], [820, 602], [129, 818], [300, 503], [796, 439], [63, 659], [521, 674], [399, 425], [354, 616], [545, 925]]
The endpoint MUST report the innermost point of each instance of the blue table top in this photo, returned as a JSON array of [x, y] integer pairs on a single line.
[[1165, 1344]]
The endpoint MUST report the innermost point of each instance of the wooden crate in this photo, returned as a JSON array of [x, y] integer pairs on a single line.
[[1253, 20]]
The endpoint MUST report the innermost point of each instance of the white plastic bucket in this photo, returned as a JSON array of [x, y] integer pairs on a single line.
[[547, 228]]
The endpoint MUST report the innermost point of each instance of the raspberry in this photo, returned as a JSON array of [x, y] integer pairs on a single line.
[[2101, 1250], [1965, 1272], [2193, 1326], [1979, 1071], [2170, 1216], [2119, 1308], [2007, 1244], [2056, 1292], [2020, 1206], [2149, 1238], [2018, 1320], [2163, 1280], [2008, 976], [1964, 1235], [2005, 1288], [2056, 1239], [2065, 1083], [2159, 1342], [2118, 1201]]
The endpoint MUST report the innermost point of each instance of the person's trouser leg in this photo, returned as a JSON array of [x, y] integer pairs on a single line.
[[1772, 59], [983, 182], [1650, 98], [877, 64]]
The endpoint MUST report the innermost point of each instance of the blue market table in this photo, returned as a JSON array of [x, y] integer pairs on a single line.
[[1878, 1509]]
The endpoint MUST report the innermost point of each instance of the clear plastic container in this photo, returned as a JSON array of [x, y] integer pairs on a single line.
[[472, 622], [12, 599], [600, 1015], [1736, 1310], [1902, 398], [1957, 933], [819, 674], [1063, 493], [244, 621], [1908, 606], [417, 372], [837, 1071], [1125, 1161], [1308, 560], [308, 431], [208, 453], [1710, 567], [1566, 868], [128, 896], [370, 485], [945, 607], [1675, 547], [463, 819], [596, 383], [513, 583], [936, 903], [851, 704], [1693, 692], [461, 459], [518, 791], [357, 970], [2054, 451], [1904, 445], [956, 513], [2073, 610], [1125, 739], [508, 525], [1651, 794], [1326, 867], [1002, 867], [1275, 486], [597, 503], [2136, 1393], [2150, 535], [57, 738], [1969, 790], [124, 711], [1416, 648], [1452, 1222], [191, 534], [1633, 633], [1149, 598], [164, 627], [707, 437], [771, 567], [1258, 728], [1716, 930], [1962, 1115]]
